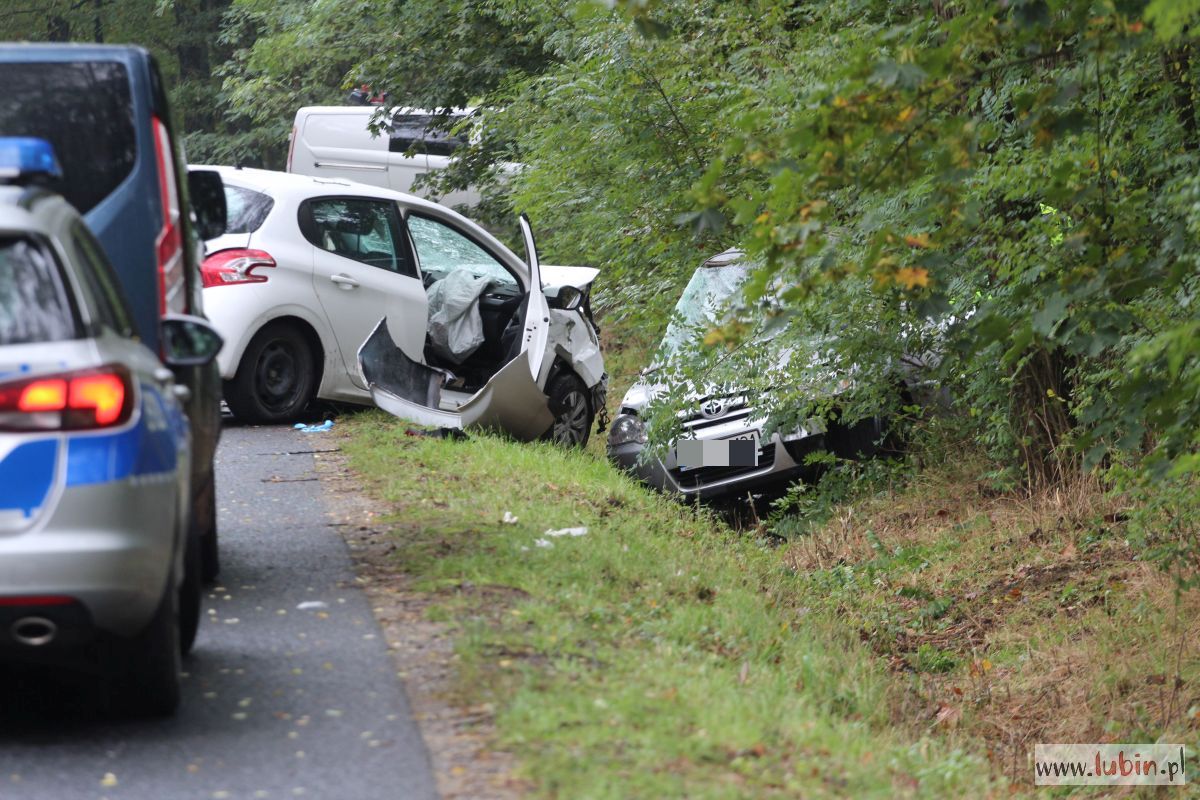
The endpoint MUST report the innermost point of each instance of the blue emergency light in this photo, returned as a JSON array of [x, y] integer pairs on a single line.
[[25, 159]]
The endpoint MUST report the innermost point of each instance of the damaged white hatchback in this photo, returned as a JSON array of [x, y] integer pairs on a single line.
[[337, 290]]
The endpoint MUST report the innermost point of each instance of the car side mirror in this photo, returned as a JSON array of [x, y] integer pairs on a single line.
[[567, 298], [207, 193], [189, 341]]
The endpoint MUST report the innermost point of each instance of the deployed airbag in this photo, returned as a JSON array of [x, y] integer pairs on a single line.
[[455, 326]]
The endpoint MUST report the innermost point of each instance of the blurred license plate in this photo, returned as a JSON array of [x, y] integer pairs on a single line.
[[736, 451]]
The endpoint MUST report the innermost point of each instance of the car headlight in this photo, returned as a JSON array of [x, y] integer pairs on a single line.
[[626, 429]]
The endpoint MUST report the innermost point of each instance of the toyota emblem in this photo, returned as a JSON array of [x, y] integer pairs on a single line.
[[712, 408]]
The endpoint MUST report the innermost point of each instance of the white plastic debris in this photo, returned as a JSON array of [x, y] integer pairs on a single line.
[[554, 534], [543, 543], [509, 518], [312, 605]]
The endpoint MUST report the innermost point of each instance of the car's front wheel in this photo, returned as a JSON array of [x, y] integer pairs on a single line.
[[572, 410], [276, 377]]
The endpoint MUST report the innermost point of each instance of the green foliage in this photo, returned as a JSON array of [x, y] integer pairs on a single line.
[[1006, 190]]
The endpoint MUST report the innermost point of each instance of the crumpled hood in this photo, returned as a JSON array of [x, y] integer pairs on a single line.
[[579, 277]]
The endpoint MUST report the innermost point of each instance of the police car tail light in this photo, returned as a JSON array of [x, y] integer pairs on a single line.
[[97, 398], [233, 266]]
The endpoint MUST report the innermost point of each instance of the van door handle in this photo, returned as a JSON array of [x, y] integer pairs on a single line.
[[344, 281]]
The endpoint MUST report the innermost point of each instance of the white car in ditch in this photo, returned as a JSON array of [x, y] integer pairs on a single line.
[[326, 288]]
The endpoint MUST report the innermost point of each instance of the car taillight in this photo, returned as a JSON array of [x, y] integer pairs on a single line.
[[94, 398], [236, 265], [169, 243]]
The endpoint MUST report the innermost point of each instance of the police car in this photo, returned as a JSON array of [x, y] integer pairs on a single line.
[[95, 555]]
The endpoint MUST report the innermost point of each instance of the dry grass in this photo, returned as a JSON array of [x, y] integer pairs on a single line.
[[1017, 619]]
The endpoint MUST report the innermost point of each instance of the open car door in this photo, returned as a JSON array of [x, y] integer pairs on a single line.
[[510, 401]]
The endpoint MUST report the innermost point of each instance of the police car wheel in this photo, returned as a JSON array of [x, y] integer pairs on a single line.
[[275, 379], [210, 553], [149, 685], [191, 594]]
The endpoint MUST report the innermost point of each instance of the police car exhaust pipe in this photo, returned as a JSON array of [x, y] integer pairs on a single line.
[[34, 631]]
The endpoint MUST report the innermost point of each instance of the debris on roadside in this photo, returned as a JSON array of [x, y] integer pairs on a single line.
[[509, 518], [544, 540], [321, 428], [554, 534], [312, 605]]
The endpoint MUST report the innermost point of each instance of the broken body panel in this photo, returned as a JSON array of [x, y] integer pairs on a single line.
[[512, 400]]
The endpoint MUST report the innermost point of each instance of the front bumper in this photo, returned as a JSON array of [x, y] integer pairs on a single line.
[[780, 461]]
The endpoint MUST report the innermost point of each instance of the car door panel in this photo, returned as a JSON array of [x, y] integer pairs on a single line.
[[511, 400], [356, 283]]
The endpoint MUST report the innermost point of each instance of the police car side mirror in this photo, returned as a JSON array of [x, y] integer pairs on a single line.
[[207, 193], [189, 341]]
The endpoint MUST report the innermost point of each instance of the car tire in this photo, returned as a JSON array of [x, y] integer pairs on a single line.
[[149, 682], [191, 593], [571, 405], [276, 377], [210, 553]]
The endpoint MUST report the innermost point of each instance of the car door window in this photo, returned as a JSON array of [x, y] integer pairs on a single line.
[[442, 249], [367, 231], [110, 306]]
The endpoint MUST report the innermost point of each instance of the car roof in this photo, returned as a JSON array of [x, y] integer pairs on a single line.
[[724, 259], [275, 181]]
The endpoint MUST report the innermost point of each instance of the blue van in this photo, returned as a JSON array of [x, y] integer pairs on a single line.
[[104, 109]]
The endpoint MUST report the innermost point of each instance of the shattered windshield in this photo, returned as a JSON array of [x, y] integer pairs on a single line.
[[702, 305]]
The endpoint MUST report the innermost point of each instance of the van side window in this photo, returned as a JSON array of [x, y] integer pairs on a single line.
[[416, 131], [101, 283], [367, 231]]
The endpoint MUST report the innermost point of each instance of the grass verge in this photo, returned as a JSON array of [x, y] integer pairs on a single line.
[[659, 655]]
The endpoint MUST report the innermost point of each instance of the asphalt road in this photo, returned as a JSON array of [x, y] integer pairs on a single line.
[[279, 701]]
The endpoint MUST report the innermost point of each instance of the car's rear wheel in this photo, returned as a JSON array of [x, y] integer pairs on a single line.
[[572, 410], [149, 681], [276, 377]]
